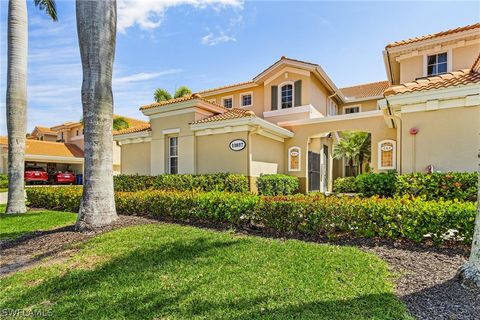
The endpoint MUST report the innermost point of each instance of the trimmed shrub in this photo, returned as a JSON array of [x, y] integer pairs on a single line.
[[449, 186], [207, 182], [376, 184], [345, 185], [277, 184], [313, 214], [3, 181]]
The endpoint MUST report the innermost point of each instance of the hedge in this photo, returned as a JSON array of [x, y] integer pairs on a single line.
[[314, 214], [206, 182], [277, 184], [447, 186], [3, 181]]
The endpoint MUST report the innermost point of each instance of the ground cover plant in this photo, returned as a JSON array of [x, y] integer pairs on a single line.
[[169, 271]]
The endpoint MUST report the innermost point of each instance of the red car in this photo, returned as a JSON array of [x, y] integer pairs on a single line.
[[64, 177], [35, 174]]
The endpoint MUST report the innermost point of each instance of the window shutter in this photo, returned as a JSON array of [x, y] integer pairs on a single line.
[[274, 97], [298, 93]]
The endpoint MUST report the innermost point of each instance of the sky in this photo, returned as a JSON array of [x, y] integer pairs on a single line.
[[209, 43]]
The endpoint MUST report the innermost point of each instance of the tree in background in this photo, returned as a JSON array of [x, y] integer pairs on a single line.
[[354, 147], [120, 123], [96, 28], [16, 97], [163, 95]]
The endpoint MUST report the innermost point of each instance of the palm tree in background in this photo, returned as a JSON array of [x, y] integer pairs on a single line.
[[16, 97], [163, 95], [96, 28], [120, 123], [354, 147]]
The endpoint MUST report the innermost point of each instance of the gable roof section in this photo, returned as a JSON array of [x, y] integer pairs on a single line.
[[433, 35], [447, 80], [44, 130], [46, 148], [229, 115], [195, 96], [366, 90], [229, 86], [142, 128]]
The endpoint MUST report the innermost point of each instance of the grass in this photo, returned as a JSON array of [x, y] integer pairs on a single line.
[[15, 225], [165, 271]]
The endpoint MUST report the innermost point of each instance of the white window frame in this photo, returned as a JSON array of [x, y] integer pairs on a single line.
[[449, 53], [228, 97], [299, 158], [241, 99], [170, 156], [359, 106], [279, 95], [394, 154], [332, 105]]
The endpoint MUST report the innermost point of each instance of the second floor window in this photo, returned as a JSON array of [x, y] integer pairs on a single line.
[[228, 102], [246, 100], [173, 155], [348, 110], [286, 95], [436, 64]]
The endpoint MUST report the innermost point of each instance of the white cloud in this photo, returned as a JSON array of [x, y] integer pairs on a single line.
[[212, 40], [142, 76], [148, 14]]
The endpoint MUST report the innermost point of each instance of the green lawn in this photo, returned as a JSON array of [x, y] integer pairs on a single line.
[[14, 225], [166, 271]]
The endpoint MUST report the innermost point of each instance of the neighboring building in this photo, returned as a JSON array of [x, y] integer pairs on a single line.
[[60, 147], [287, 118]]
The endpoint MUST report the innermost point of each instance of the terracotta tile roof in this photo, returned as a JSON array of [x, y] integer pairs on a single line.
[[177, 100], [365, 90], [45, 130], [227, 86], [229, 115], [451, 79], [434, 35], [132, 122], [144, 127], [46, 148]]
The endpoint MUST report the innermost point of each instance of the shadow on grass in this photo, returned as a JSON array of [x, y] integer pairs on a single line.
[[179, 280]]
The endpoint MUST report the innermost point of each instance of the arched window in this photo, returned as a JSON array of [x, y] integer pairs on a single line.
[[286, 96], [294, 157], [387, 155]]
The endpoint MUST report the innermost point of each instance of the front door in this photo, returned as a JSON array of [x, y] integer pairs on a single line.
[[313, 171]]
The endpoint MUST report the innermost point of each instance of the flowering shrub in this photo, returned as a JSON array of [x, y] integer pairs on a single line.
[[313, 214], [205, 182], [276, 184]]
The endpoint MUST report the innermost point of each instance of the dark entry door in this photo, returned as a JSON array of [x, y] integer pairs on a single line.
[[313, 171]]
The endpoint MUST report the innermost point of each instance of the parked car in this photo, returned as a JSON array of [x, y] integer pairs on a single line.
[[35, 174], [63, 177]]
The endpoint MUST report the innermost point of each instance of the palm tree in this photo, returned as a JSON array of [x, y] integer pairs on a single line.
[[182, 92], [96, 28], [120, 123], [352, 147], [16, 97], [163, 95]]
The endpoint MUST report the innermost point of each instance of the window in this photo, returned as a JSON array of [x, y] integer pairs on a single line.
[[78, 132], [387, 155], [286, 96], [82, 131], [294, 154], [61, 136], [246, 99], [173, 155], [436, 64], [227, 102], [353, 109], [332, 108]]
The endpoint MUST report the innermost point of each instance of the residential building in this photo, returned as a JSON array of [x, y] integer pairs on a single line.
[[425, 116]]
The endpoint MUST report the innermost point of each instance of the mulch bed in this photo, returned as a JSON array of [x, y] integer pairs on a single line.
[[427, 284]]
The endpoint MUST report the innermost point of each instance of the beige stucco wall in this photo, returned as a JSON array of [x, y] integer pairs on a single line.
[[136, 158], [411, 69], [213, 154], [318, 95], [464, 57], [446, 140], [368, 105], [266, 155]]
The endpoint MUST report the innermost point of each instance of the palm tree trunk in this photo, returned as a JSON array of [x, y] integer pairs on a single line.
[[470, 272], [17, 103], [96, 27]]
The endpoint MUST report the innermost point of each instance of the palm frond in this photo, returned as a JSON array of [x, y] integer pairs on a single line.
[[182, 92], [49, 7]]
